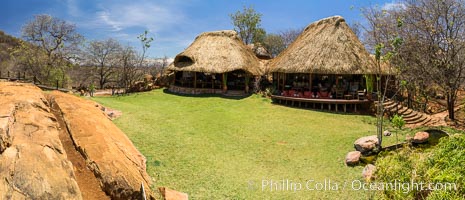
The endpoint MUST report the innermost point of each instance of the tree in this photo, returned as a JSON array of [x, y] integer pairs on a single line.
[[274, 44], [290, 35], [104, 56], [247, 25], [29, 58], [128, 72], [145, 41], [57, 38], [439, 45], [357, 29], [431, 56]]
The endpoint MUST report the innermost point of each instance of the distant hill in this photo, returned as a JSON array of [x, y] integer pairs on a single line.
[[6, 42]]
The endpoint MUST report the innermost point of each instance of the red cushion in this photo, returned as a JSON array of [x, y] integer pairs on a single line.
[[291, 92], [307, 94]]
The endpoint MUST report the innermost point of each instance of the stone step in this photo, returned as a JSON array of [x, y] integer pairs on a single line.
[[391, 107], [413, 118], [420, 120], [388, 103], [405, 111], [428, 121], [409, 116]]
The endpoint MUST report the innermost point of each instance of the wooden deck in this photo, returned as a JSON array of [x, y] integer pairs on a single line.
[[322, 103]]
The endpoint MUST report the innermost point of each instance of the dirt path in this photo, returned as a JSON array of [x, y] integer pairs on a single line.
[[88, 184]]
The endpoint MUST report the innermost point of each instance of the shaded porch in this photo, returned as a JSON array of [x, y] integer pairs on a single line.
[[324, 86], [236, 82]]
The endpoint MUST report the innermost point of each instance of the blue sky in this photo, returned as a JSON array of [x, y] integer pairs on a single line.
[[174, 24]]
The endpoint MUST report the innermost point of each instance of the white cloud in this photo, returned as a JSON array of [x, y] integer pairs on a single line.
[[147, 15], [166, 21], [73, 8], [393, 6], [103, 17]]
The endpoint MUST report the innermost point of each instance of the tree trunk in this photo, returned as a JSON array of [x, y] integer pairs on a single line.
[[451, 106], [409, 98]]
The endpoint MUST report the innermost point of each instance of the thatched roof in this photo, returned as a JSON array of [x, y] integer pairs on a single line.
[[217, 52], [327, 46]]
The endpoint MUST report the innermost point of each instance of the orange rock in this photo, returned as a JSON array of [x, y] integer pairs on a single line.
[[169, 194], [420, 137], [353, 158], [33, 164], [110, 154]]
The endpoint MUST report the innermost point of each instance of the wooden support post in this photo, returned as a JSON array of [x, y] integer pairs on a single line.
[[276, 77], [345, 107], [224, 81], [310, 82], [277, 80], [195, 82], [284, 81], [174, 78]]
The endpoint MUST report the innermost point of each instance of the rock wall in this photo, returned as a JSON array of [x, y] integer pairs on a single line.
[[33, 164], [108, 151], [37, 163]]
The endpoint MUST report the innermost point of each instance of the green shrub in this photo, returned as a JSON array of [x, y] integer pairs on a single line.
[[442, 164], [398, 167], [447, 165]]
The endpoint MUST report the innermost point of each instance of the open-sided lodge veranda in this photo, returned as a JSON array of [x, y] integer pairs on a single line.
[[234, 82], [323, 91]]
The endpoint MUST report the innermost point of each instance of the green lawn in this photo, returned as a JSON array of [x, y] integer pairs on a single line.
[[218, 148]]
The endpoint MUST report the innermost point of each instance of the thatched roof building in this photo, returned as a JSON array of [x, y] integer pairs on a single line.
[[217, 52], [327, 46]]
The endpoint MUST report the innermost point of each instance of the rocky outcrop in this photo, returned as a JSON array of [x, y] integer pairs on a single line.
[[169, 194], [110, 154], [366, 145], [33, 164], [387, 133], [369, 172], [353, 158], [420, 137]]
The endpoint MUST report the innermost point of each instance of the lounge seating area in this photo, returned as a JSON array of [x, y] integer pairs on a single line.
[[315, 86], [323, 91], [359, 95]]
